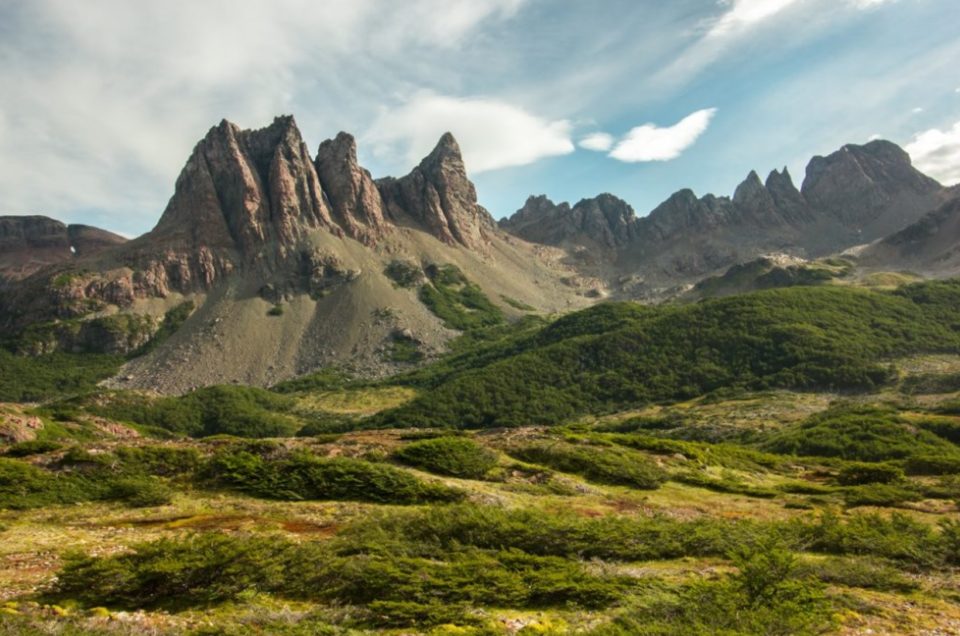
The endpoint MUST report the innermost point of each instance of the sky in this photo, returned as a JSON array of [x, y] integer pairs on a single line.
[[103, 100]]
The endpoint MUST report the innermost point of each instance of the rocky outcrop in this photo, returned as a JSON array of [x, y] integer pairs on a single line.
[[604, 220], [873, 189], [251, 194], [438, 197], [353, 197], [29, 243]]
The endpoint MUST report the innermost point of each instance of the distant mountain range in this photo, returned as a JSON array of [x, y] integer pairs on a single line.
[[292, 260]]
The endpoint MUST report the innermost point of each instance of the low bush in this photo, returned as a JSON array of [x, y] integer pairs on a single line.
[[32, 447], [454, 456], [897, 537], [140, 492], [880, 495], [766, 596], [213, 568], [859, 473], [177, 573], [856, 433], [603, 465], [306, 477]]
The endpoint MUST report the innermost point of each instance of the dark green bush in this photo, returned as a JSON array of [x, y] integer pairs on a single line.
[[859, 473], [603, 465], [858, 433], [454, 456], [404, 274], [932, 465], [880, 495], [177, 573], [307, 477], [32, 447], [140, 492]]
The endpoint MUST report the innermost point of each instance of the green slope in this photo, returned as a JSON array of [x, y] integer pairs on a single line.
[[621, 355]]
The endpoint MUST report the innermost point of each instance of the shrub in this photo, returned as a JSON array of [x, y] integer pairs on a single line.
[[404, 274], [140, 492], [454, 456], [307, 477], [880, 495], [604, 465], [859, 434], [858, 473], [176, 573], [276, 310], [898, 537], [32, 447], [932, 465]]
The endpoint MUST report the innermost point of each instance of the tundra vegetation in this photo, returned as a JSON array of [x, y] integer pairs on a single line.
[[781, 462]]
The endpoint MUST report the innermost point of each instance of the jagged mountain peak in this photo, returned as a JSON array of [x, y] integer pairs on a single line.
[[354, 199], [438, 196]]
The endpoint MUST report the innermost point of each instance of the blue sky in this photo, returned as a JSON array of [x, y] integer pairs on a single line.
[[103, 100]]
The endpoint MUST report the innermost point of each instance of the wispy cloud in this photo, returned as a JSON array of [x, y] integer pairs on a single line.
[[492, 134], [599, 142], [652, 143], [937, 153], [744, 14]]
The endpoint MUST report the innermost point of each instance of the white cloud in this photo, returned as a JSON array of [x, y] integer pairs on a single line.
[[652, 143], [868, 4], [917, 110], [937, 153], [874, 137], [492, 134], [745, 13], [599, 141]]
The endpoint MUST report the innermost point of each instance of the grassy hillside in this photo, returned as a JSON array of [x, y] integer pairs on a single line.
[[618, 356]]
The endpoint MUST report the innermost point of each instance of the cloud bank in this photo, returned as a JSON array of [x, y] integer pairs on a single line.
[[652, 143]]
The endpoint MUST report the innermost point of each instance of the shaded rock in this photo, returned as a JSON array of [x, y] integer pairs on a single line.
[[354, 199]]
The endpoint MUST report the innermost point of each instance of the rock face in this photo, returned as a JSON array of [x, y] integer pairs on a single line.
[[252, 193], [354, 198], [28, 243], [853, 196], [931, 245], [604, 220], [438, 196], [871, 188]]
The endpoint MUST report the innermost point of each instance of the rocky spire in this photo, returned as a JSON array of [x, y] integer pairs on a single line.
[[253, 191], [790, 203], [354, 198], [438, 196]]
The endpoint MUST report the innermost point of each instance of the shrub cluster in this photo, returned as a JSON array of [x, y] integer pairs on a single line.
[[454, 456]]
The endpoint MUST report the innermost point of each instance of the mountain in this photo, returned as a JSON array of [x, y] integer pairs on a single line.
[[854, 196], [292, 263], [29, 243], [931, 246]]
